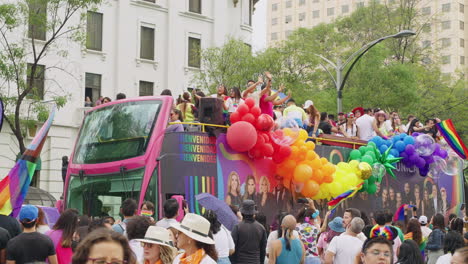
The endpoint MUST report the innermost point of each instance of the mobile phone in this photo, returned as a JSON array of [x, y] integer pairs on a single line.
[[302, 201], [184, 204]]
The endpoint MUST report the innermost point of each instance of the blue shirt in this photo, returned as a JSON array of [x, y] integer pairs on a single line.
[[292, 256]]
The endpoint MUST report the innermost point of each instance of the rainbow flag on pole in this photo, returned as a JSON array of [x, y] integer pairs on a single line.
[[14, 187], [448, 131]]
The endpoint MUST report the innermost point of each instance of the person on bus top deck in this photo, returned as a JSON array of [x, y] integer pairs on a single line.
[[251, 92], [295, 112], [120, 96], [268, 100], [128, 210]]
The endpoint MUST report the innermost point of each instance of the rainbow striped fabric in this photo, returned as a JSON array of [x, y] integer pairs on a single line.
[[332, 204], [400, 212], [14, 187], [448, 131]]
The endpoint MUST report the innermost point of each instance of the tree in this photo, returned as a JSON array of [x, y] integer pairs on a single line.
[[22, 73]]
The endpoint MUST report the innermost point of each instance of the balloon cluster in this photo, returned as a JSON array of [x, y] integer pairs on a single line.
[[419, 150]]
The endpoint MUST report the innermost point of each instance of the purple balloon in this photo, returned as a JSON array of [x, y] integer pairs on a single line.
[[443, 153], [424, 170], [409, 149], [404, 155], [420, 163], [429, 159], [437, 148], [415, 134]]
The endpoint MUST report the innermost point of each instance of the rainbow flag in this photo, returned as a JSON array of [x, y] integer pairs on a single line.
[[14, 187], [332, 204], [448, 131], [400, 212]]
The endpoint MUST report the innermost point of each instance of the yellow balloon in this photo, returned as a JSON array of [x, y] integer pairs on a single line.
[[366, 170], [354, 164]]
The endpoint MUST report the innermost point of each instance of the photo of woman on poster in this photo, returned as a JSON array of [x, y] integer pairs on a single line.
[[444, 204], [399, 201], [427, 207], [233, 197], [266, 200], [250, 193], [391, 200], [417, 199], [385, 202]]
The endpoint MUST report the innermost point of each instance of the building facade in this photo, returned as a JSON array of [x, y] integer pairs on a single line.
[[445, 29], [135, 47]]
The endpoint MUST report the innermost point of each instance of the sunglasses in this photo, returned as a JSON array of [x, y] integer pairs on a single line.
[[147, 245], [104, 261]]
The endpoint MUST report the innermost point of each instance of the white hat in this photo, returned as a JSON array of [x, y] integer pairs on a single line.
[[423, 220], [195, 227], [157, 235], [308, 103]]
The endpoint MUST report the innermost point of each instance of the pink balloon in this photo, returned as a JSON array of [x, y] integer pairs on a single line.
[[242, 136]]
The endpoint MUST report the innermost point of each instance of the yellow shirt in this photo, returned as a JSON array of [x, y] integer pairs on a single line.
[[188, 115]]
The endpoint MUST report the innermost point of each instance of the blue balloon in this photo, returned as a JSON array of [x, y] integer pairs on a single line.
[[394, 153], [409, 140], [395, 138], [403, 135], [400, 146], [383, 148], [389, 142]]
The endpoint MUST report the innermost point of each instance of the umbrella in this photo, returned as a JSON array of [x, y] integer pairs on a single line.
[[222, 210]]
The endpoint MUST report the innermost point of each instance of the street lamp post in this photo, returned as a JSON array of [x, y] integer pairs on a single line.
[[339, 67]]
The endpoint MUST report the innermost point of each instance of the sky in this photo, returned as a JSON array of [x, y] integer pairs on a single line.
[[259, 26]]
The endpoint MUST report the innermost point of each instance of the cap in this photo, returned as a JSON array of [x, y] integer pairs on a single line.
[[350, 114], [340, 113], [423, 220], [308, 103], [28, 213]]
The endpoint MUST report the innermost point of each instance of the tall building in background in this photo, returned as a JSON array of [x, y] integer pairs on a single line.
[[136, 47], [446, 31]]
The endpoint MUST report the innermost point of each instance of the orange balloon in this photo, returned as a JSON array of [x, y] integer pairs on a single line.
[[324, 160], [328, 178], [310, 145], [316, 164], [302, 172], [294, 151], [282, 170], [311, 155], [318, 176], [329, 168], [290, 164], [303, 150], [311, 188]]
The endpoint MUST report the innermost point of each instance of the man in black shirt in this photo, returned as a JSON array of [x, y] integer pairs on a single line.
[[325, 125], [30, 246], [10, 224], [4, 238]]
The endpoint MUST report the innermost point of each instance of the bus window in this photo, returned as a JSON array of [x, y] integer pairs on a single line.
[[116, 132], [103, 195], [152, 190]]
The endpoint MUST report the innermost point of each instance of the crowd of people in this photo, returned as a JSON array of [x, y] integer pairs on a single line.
[[102, 100], [202, 239]]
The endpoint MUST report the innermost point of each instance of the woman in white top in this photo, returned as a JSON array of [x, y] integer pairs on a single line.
[[234, 100], [349, 129], [194, 238], [41, 225], [223, 240], [158, 246]]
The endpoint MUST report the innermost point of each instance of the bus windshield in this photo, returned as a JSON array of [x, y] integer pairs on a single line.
[[117, 132]]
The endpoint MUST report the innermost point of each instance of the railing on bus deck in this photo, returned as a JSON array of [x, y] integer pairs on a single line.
[[320, 139]]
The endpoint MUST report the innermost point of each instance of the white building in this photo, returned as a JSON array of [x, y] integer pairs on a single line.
[[136, 47]]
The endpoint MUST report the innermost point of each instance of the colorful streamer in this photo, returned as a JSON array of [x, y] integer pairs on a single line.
[[448, 131], [332, 204], [14, 187], [400, 212]]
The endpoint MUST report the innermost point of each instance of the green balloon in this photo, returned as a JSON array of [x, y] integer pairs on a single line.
[[372, 144], [372, 154], [368, 159], [372, 189], [371, 180], [363, 149], [365, 184], [355, 154]]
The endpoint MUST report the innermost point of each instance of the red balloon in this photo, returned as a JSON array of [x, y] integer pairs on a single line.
[[249, 118], [255, 111], [250, 102], [241, 136], [265, 123], [268, 150], [234, 117], [260, 141], [284, 151], [256, 152], [242, 110]]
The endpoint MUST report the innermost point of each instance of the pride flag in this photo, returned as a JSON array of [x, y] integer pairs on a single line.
[[448, 131], [14, 187], [343, 197], [400, 212]]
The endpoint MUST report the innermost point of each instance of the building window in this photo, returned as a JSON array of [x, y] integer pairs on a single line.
[[445, 25], [93, 86], [462, 43], [446, 7], [288, 33], [360, 4], [462, 8], [462, 25], [194, 50], [316, 14], [302, 16], [462, 60], [330, 11], [274, 21], [274, 7], [302, 2], [425, 11], [37, 19], [288, 19], [146, 88], [345, 9], [147, 43], [426, 44], [446, 59], [288, 4], [195, 6], [445, 42], [274, 36], [37, 82], [426, 28], [94, 31], [151, 1]]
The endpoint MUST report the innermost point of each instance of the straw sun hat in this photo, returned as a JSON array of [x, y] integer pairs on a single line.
[[196, 227], [157, 235]]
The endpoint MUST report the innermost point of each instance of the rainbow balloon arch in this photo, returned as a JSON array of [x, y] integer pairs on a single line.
[[295, 160]]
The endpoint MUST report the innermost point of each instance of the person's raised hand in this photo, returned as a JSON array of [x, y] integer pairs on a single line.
[[260, 79], [268, 75], [289, 93]]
